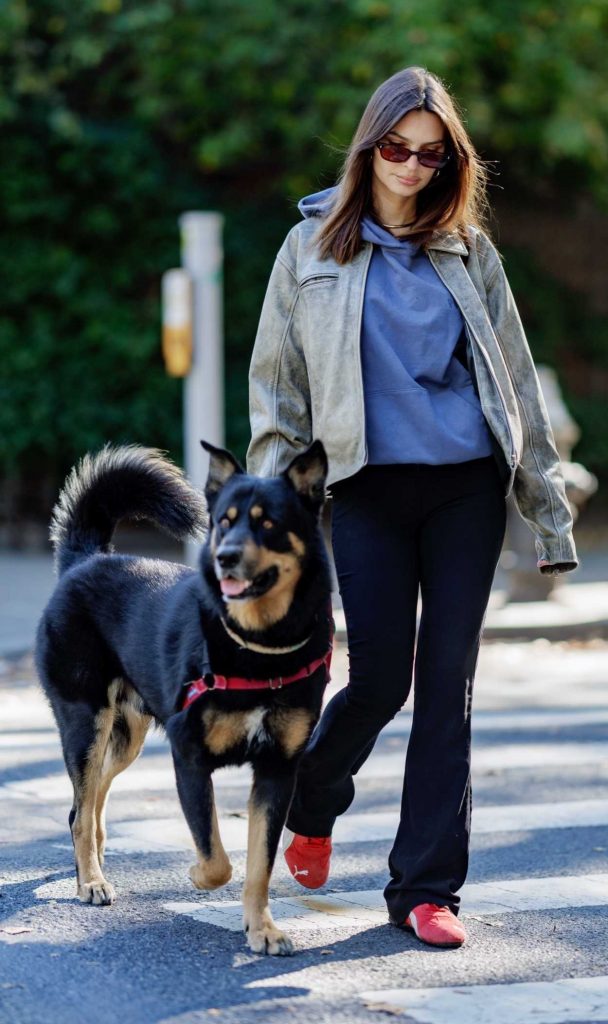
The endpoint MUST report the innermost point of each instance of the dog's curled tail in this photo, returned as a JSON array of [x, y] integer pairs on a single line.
[[126, 482]]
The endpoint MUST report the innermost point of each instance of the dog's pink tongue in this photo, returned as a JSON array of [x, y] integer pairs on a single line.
[[233, 587]]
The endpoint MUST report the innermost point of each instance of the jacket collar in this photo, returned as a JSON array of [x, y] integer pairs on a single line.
[[447, 241], [444, 241]]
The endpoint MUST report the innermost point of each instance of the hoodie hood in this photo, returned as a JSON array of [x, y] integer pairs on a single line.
[[318, 204]]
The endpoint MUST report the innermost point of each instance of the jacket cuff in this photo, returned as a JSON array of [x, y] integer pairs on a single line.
[[561, 553]]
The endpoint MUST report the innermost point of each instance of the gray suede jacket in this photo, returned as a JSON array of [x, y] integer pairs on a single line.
[[305, 377]]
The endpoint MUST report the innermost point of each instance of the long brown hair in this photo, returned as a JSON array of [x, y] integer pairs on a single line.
[[450, 202]]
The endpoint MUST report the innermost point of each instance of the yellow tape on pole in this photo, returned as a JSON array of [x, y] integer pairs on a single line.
[[177, 322]]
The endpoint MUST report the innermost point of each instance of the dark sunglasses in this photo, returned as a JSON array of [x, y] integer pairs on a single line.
[[398, 154]]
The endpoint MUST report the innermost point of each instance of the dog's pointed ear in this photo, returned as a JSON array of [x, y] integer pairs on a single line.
[[222, 466], [307, 473]]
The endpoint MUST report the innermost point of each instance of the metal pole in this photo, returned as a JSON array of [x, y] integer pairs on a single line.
[[202, 257]]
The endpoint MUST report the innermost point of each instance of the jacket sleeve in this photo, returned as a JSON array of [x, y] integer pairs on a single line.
[[539, 488], [279, 394]]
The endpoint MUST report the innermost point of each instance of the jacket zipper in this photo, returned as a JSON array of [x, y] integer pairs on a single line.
[[513, 459]]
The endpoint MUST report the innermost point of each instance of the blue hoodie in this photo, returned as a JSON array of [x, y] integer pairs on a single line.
[[420, 402]]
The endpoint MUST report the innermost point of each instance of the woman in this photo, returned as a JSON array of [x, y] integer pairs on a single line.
[[390, 332]]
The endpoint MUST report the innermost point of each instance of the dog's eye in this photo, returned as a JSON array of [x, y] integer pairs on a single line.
[[268, 524]]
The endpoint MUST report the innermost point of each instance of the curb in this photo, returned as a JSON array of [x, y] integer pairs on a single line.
[[564, 631], [575, 612]]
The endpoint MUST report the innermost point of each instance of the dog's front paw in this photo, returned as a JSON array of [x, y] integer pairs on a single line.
[[210, 876], [100, 893], [267, 938]]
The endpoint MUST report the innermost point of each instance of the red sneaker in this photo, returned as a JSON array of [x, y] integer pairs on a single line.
[[437, 926], [307, 858]]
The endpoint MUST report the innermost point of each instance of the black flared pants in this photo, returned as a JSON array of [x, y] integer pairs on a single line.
[[395, 529]]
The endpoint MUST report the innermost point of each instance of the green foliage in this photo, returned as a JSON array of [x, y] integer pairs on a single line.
[[78, 329], [117, 115]]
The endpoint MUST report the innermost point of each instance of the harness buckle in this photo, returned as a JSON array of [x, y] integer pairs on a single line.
[[278, 684]]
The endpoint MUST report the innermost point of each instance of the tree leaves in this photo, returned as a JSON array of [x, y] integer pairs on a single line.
[[118, 115]]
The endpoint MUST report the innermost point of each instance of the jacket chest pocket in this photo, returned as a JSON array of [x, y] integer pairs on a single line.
[[314, 280]]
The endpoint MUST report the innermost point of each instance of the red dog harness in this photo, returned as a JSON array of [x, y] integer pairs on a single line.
[[199, 686]]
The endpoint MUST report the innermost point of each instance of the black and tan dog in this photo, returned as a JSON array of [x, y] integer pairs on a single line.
[[232, 660]]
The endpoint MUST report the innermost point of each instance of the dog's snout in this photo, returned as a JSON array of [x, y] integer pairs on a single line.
[[228, 557]]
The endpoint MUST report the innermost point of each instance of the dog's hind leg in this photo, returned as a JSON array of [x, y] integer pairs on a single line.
[[195, 789], [125, 743], [268, 806], [85, 741]]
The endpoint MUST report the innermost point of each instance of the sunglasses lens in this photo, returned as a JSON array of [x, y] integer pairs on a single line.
[[399, 154], [430, 159], [396, 154]]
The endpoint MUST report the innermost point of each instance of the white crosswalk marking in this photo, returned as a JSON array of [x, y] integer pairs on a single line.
[[534, 720], [380, 766], [50, 738], [483, 721], [501, 757], [172, 833], [137, 779], [539, 1002], [362, 909]]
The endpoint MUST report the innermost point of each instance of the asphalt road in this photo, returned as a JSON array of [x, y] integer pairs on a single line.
[[535, 904]]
